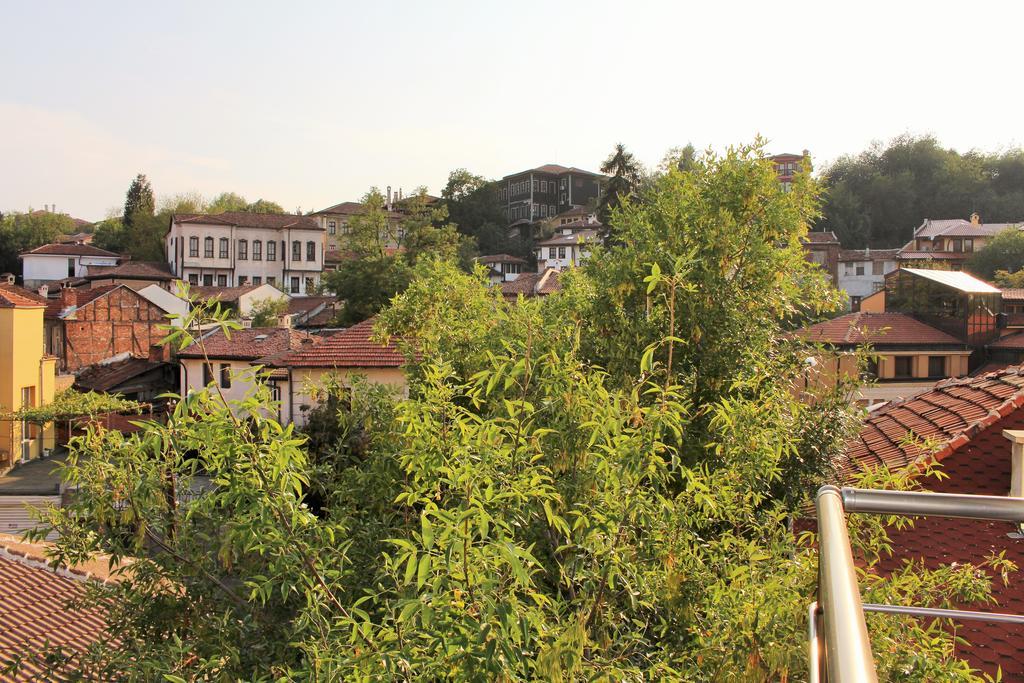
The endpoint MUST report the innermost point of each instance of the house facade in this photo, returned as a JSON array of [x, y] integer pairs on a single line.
[[950, 241], [27, 374], [546, 191], [862, 272], [52, 262], [567, 249], [822, 247], [502, 267], [335, 222], [242, 299], [236, 249]]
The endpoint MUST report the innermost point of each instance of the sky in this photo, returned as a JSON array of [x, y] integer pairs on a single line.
[[311, 103]]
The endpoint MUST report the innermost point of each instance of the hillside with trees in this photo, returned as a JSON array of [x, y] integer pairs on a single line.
[[877, 198], [599, 485]]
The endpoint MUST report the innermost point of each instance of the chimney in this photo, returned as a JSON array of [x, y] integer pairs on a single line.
[[44, 290], [68, 297], [159, 353], [389, 198], [1016, 437], [975, 219], [9, 279]]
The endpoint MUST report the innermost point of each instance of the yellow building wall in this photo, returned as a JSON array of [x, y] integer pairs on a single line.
[[22, 365], [304, 379]]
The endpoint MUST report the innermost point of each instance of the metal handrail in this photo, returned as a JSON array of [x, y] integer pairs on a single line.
[[846, 646]]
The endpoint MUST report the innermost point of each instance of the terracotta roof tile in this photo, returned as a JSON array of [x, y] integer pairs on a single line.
[[106, 377], [55, 306], [143, 270], [250, 344], [350, 348], [13, 296], [500, 258], [868, 254], [584, 236], [533, 284], [1012, 294], [881, 329], [244, 219], [70, 250], [821, 237]]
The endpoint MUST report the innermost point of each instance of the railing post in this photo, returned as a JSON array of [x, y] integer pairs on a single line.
[[848, 657]]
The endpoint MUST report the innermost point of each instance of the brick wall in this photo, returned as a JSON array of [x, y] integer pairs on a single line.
[[118, 322]]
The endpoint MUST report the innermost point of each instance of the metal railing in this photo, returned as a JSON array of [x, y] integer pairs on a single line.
[[839, 647]]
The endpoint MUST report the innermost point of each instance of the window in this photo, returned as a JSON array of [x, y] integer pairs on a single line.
[[543, 186], [222, 280], [309, 285], [208, 281], [193, 278], [271, 250], [860, 269], [311, 251], [551, 210], [561, 252], [551, 252], [257, 250], [243, 280], [295, 284], [243, 250], [904, 366], [271, 280], [225, 375], [344, 228], [257, 280], [71, 267], [536, 186], [332, 247], [544, 210], [332, 227], [223, 247], [878, 267], [855, 303], [296, 250], [958, 245], [848, 269], [968, 245], [193, 247], [208, 247], [207, 374], [936, 366]]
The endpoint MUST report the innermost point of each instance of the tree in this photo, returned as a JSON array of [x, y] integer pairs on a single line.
[[1009, 280], [522, 514], [1004, 252], [878, 197], [227, 201], [473, 206], [366, 285], [109, 234], [267, 312], [264, 206], [679, 158], [626, 176], [20, 232], [138, 201]]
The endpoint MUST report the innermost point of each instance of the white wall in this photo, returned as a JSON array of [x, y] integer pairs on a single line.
[[243, 378], [39, 268], [165, 300], [862, 285]]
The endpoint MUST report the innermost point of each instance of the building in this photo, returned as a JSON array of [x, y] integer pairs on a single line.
[[786, 166], [974, 425], [822, 247], [502, 267], [545, 191], [312, 312], [567, 249], [88, 326], [241, 299], [343, 355], [952, 301], [135, 379], [950, 241], [335, 222], [27, 374], [52, 262], [862, 273], [134, 274], [532, 284], [236, 249], [234, 360]]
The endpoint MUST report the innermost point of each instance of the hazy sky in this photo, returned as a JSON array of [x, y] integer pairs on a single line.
[[310, 103]]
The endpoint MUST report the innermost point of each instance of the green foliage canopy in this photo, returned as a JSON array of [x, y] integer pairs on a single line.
[[21, 232], [1003, 252]]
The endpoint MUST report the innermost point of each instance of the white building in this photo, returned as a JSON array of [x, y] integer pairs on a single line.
[[236, 249], [52, 262], [242, 299], [502, 267], [862, 273], [569, 248]]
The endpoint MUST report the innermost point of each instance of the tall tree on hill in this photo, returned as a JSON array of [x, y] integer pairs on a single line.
[[139, 201], [474, 207], [626, 175], [143, 227], [878, 197]]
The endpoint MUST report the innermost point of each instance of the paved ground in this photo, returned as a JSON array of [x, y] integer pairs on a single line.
[[35, 477]]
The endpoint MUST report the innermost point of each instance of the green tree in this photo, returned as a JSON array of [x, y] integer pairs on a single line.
[[109, 234], [1004, 252], [1009, 280], [626, 176], [227, 201], [366, 285], [264, 206], [474, 207], [20, 232], [267, 312], [138, 201]]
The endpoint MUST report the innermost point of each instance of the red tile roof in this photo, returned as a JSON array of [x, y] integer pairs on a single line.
[[13, 296], [34, 614], [821, 237], [350, 348], [226, 295], [532, 284], [1011, 342], [909, 255], [868, 254], [967, 417], [584, 236], [70, 250], [55, 306], [244, 219], [500, 258], [882, 329], [250, 344], [947, 416], [1011, 294], [108, 376], [132, 270]]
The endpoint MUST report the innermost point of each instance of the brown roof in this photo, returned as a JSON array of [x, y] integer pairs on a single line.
[[353, 209], [555, 169], [34, 613], [249, 344], [13, 296], [959, 227], [1011, 294], [70, 250], [500, 258], [350, 348], [224, 294], [83, 237], [305, 304], [55, 306], [575, 238], [106, 377], [532, 284], [1011, 342], [908, 254], [244, 219], [821, 237], [885, 329], [132, 270], [868, 254]]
